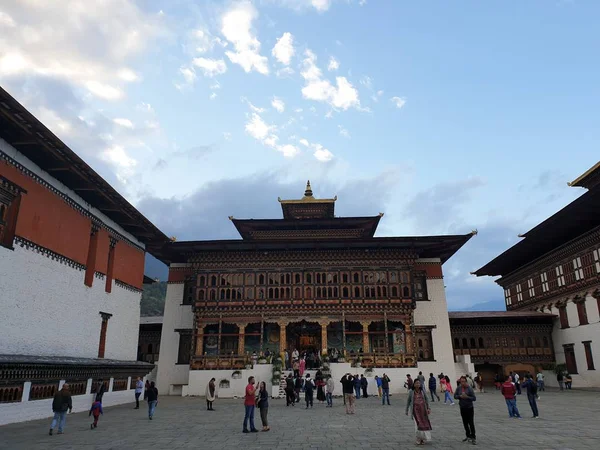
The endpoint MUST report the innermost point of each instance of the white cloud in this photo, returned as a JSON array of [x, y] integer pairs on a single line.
[[398, 101], [284, 49], [257, 128], [128, 75], [86, 46], [285, 72], [342, 96], [278, 104], [104, 91], [6, 20], [304, 142], [288, 150], [362, 2], [213, 96], [333, 64], [256, 109], [322, 154], [189, 75], [375, 97], [237, 29], [117, 157], [298, 110], [123, 122], [210, 67], [321, 5], [344, 132], [145, 107], [227, 136], [367, 82], [202, 41]]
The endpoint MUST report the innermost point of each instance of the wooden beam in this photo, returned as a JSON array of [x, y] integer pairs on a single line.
[[57, 169]]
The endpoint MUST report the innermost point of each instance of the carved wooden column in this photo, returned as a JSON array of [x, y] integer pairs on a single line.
[[200, 339], [241, 338], [282, 335], [324, 324], [262, 334], [410, 344], [365, 326], [343, 334], [219, 338], [385, 327]]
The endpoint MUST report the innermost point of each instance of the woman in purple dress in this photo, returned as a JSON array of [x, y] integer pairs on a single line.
[[418, 406]]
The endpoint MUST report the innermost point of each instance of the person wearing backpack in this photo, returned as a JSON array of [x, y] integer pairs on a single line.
[[532, 390]]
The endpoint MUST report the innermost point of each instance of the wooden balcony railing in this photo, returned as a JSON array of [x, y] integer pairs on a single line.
[[369, 360], [219, 362]]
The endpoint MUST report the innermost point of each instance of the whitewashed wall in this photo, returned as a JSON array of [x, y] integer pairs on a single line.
[[176, 316], [48, 311], [576, 334], [40, 409], [435, 312], [198, 380]]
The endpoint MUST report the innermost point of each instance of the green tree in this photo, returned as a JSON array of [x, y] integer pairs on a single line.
[[153, 299]]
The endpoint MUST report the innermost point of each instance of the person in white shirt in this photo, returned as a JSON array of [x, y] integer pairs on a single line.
[[295, 355], [540, 381], [139, 388]]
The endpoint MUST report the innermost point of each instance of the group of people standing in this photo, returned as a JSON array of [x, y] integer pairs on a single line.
[[62, 403]]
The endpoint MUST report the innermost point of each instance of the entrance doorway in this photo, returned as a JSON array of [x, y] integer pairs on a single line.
[[304, 336]]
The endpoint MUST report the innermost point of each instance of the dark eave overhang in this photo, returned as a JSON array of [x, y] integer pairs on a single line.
[[574, 220], [442, 247], [34, 140], [246, 226]]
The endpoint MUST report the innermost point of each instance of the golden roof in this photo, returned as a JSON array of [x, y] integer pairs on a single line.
[[308, 198]]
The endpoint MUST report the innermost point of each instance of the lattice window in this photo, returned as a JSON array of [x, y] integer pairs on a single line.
[[185, 346], [508, 297], [530, 287], [544, 279], [10, 201], [577, 269], [597, 260], [560, 276], [519, 293]]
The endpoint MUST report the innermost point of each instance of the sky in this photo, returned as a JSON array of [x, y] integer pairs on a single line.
[[446, 116]]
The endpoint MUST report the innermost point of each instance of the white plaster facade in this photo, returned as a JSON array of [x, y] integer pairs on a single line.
[[172, 376], [48, 311], [576, 334]]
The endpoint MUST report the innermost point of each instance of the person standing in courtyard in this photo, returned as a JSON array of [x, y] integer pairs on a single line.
[[433, 387], [152, 400], [568, 381], [347, 382], [532, 391], [211, 394], [95, 410], [100, 390], [320, 382], [408, 384], [560, 378], [509, 391], [421, 378], [466, 396], [146, 387], [385, 389], [263, 405], [378, 381], [249, 404], [309, 387], [418, 406], [139, 388], [290, 397], [517, 383], [540, 381], [357, 385], [479, 382], [60, 405], [302, 366], [329, 394], [448, 389], [364, 384]]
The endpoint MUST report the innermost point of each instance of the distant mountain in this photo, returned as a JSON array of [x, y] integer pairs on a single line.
[[155, 269], [493, 305], [153, 299]]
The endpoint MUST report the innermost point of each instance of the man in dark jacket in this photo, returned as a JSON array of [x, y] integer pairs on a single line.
[[385, 389], [364, 384], [433, 387], [309, 387], [152, 400], [290, 398], [466, 396], [60, 405], [348, 388], [100, 390]]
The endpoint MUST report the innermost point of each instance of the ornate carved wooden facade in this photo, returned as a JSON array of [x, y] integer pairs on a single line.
[[309, 281]]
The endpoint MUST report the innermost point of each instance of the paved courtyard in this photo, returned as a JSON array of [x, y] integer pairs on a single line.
[[569, 420]]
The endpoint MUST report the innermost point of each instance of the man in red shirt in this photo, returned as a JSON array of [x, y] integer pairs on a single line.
[[509, 391], [249, 402]]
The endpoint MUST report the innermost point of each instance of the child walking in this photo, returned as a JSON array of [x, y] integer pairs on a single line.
[[96, 410]]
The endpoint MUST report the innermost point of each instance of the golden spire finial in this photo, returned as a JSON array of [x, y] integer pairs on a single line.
[[308, 192]]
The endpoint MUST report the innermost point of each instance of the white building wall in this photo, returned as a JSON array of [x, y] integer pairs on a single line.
[[170, 375], [576, 334], [435, 312], [48, 311]]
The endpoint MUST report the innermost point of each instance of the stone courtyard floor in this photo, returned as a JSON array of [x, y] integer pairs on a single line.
[[569, 420]]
